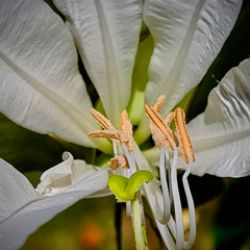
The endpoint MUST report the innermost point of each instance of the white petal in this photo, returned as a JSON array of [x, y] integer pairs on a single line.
[[65, 175], [41, 87], [188, 36], [106, 34], [221, 135], [28, 209], [15, 190]]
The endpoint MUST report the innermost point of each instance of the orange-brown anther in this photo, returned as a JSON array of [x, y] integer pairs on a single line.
[[159, 102], [186, 146], [159, 123], [125, 135], [158, 138], [101, 119], [109, 134], [118, 161], [126, 131], [169, 118]]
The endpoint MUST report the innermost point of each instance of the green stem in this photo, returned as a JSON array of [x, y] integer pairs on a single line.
[[138, 221], [142, 133]]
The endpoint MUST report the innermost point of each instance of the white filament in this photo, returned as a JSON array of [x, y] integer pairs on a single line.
[[131, 162], [115, 148], [177, 204], [164, 186], [191, 210], [176, 226]]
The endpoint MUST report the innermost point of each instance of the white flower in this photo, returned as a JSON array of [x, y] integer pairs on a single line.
[[42, 89], [23, 208]]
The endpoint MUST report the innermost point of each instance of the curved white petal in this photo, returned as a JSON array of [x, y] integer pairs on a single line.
[[15, 191], [40, 86], [106, 34], [221, 135], [23, 210], [188, 36]]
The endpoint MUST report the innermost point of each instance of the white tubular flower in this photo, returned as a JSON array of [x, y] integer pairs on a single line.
[[23, 209], [42, 89]]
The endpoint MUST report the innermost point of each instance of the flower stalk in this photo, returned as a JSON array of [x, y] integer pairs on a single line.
[[138, 221]]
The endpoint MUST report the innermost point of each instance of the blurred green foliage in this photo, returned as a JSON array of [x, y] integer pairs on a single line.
[[232, 220]]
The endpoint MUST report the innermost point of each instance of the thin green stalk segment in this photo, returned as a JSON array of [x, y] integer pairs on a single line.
[[142, 133], [138, 221]]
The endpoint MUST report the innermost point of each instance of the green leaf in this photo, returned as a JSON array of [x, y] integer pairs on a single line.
[[29, 151], [25, 149]]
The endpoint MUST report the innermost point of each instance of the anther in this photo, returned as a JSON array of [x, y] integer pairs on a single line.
[[109, 134], [118, 161], [125, 135], [170, 117], [158, 122], [101, 119], [159, 102], [185, 142], [126, 131]]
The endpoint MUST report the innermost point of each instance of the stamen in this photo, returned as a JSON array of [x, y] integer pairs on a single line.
[[115, 148], [170, 117], [162, 134], [158, 138], [159, 102], [118, 161], [127, 131], [164, 188], [177, 203], [186, 146], [166, 131], [191, 210], [168, 167], [101, 119], [109, 134], [131, 162]]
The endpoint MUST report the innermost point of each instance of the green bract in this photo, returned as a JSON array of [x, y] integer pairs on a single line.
[[124, 188]]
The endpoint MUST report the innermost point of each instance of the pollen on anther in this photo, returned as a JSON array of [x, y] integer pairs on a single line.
[[109, 134], [126, 131], [185, 142], [118, 161], [159, 102], [163, 128], [101, 119]]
